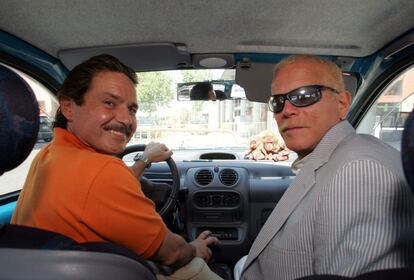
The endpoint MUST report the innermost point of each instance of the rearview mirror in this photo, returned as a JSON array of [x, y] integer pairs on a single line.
[[207, 90]]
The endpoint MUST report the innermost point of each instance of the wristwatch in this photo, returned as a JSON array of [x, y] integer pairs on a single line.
[[144, 159]]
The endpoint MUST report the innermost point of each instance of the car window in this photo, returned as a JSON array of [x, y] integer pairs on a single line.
[[386, 117], [13, 180]]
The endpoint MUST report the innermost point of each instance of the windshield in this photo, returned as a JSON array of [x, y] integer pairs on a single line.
[[221, 125]]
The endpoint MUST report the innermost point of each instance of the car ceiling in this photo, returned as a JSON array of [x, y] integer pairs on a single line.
[[331, 27]]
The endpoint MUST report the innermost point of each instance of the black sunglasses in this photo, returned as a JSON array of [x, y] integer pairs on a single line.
[[300, 97]]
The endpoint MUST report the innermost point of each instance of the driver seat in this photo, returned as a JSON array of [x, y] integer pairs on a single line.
[[30, 253]]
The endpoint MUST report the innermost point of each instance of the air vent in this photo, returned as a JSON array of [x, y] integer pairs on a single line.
[[204, 177], [229, 177]]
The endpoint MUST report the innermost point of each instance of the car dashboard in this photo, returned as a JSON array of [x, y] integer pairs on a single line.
[[231, 198]]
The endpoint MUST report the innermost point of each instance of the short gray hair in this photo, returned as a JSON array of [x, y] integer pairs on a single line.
[[333, 69]]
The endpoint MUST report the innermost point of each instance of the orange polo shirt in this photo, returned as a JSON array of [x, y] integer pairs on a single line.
[[88, 196]]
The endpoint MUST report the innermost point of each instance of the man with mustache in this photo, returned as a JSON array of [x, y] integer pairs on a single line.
[[349, 209], [76, 186]]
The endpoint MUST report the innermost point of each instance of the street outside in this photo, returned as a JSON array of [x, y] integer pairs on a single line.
[[14, 179]]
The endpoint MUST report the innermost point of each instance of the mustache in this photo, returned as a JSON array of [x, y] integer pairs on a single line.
[[125, 129]]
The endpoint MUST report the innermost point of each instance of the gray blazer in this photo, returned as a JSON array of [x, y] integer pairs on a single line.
[[348, 211]]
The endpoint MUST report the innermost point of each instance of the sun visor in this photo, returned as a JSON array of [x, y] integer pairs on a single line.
[[256, 79], [140, 57]]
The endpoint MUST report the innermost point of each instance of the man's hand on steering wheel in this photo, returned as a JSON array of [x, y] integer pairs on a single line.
[[157, 152], [154, 152]]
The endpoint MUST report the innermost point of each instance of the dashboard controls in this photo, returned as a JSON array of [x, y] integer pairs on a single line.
[[222, 233], [228, 177], [203, 177], [217, 199], [210, 216]]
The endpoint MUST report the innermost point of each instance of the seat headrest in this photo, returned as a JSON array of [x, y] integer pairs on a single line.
[[407, 150], [19, 119]]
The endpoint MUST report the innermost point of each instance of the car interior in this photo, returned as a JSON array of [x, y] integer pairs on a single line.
[[201, 187]]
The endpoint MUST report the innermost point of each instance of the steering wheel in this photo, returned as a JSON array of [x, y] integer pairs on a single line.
[[164, 195]]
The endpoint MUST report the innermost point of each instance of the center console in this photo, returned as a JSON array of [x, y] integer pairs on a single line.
[[218, 201]]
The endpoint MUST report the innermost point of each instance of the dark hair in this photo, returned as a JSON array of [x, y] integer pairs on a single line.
[[200, 91], [80, 78]]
